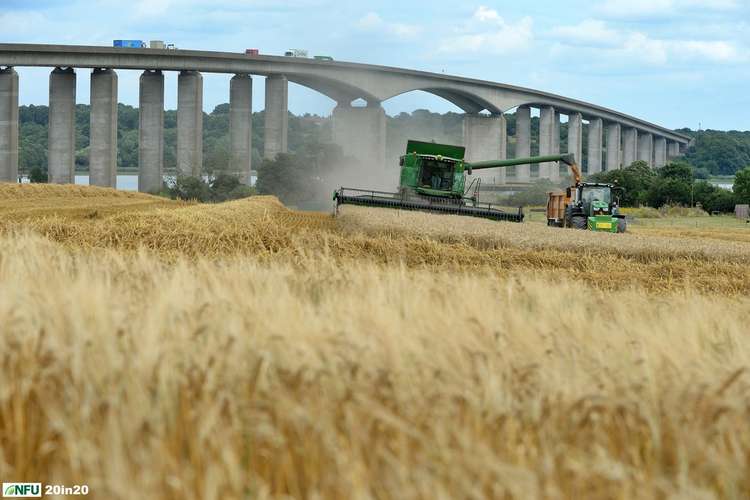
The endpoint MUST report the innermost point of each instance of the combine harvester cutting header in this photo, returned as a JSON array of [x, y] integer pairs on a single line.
[[432, 180]]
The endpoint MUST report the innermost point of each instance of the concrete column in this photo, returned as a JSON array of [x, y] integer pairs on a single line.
[[554, 168], [62, 126], [523, 142], [629, 146], [595, 145], [660, 152], [190, 123], [240, 125], [277, 104], [674, 149], [575, 136], [151, 132], [646, 148], [8, 125], [103, 130], [546, 135], [613, 146], [360, 132], [485, 138]]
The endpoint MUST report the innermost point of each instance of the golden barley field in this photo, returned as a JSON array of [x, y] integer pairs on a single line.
[[161, 350]]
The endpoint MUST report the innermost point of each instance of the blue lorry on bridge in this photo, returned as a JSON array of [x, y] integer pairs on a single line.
[[129, 44]]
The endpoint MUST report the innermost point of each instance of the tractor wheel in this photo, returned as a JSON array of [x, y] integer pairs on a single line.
[[578, 222], [622, 225]]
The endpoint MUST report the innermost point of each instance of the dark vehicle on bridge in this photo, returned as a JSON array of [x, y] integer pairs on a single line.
[[433, 180], [252, 52], [323, 58]]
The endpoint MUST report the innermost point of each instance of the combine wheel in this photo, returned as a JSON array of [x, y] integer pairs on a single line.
[[578, 222], [622, 225]]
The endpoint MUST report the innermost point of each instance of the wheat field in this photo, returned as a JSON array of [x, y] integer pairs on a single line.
[[153, 349]]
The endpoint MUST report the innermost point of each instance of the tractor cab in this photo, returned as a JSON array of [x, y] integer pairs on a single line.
[[595, 198]]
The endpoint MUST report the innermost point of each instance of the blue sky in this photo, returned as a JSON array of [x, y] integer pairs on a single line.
[[674, 62]]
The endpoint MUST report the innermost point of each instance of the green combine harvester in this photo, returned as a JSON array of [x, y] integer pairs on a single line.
[[433, 180]]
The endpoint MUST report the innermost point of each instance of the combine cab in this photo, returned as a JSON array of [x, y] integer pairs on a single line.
[[433, 180]]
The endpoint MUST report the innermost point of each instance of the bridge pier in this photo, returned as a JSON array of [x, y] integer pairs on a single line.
[[240, 125], [575, 136], [674, 149], [151, 132], [523, 142], [360, 131], [8, 125], [277, 118], [103, 129], [61, 135], [613, 146], [629, 146], [646, 148], [595, 145], [546, 139], [660, 152], [485, 138], [190, 123]]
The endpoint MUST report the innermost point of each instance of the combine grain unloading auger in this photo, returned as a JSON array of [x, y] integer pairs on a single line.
[[432, 180]]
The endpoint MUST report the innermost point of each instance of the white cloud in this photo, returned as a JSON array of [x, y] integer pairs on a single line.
[[373, 22], [639, 9], [488, 32], [639, 46], [151, 8], [588, 32]]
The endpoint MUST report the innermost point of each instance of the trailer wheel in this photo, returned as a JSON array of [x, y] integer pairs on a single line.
[[578, 222], [622, 225]]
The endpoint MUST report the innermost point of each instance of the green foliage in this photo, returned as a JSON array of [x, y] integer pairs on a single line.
[[721, 153], [678, 171], [720, 201], [222, 187], [666, 191], [636, 179], [37, 175], [190, 188], [742, 186]]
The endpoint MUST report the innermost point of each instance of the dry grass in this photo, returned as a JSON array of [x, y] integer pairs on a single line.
[[246, 351]]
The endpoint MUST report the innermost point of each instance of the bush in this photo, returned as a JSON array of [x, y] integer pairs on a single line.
[[37, 175], [722, 201], [190, 188], [222, 187]]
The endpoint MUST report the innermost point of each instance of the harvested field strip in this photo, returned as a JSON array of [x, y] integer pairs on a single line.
[[262, 227], [29, 201]]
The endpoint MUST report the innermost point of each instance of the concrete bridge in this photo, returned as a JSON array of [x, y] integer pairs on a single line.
[[614, 139]]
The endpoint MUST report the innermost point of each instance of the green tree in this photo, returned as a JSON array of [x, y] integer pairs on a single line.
[[666, 191], [636, 179], [742, 186]]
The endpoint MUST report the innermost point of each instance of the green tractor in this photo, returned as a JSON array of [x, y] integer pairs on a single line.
[[432, 180], [586, 205]]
